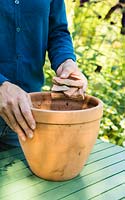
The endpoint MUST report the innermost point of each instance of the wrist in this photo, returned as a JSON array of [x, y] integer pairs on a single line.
[[5, 83], [69, 60]]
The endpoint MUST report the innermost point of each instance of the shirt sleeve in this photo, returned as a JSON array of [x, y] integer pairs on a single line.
[[2, 79], [60, 47]]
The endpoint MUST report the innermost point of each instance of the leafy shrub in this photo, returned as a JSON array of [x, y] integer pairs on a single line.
[[100, 48]]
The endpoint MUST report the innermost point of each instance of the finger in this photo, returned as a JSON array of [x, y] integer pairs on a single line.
[[79, 75], [12, 123], [31, 106], [85, 84], [22, 122], [29, 100], [75, 76], [27, 114], [81, 93], [68, 82]]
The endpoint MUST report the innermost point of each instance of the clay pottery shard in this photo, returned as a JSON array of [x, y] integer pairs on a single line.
[[71, 91], [75, 93], [65, 133], [58, 88]]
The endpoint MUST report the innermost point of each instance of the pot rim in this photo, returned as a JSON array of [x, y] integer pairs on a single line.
[[100, 103], [66, 111], [71, 116]]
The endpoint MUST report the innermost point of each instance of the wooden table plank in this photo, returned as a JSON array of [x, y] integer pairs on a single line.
[[98, 141], [21, 165], [117, 192], [25, 172], [61, 188], [101, 146], [98, 188], [101, 154], [106, 163], [17, 150]]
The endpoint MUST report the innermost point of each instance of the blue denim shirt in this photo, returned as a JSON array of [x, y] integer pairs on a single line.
[[28, 28]]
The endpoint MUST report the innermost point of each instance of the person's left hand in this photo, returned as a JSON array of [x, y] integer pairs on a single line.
[[70, 80]]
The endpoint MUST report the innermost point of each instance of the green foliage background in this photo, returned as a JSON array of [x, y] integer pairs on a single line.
[[99, 45]]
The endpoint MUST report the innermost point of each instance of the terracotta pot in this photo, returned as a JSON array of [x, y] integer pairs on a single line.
[[64, 136]]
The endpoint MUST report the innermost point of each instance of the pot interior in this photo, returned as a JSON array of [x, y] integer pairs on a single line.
[[46, 101]]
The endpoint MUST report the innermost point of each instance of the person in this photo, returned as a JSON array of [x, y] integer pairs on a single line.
[[27, 30]]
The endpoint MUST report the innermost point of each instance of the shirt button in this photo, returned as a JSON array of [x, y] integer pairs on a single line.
[[17, 2], [18, 29]]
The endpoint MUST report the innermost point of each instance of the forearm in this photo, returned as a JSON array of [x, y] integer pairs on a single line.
[[60, 47]]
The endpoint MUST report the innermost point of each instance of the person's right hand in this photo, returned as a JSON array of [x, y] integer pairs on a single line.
[[15, 109]]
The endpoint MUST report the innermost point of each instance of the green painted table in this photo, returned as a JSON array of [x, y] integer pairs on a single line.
[[102, 178]]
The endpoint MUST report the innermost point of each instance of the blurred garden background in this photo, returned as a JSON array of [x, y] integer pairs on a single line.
[[98, 31]]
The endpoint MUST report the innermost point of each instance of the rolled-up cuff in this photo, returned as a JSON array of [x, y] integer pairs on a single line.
[[60, 59]]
